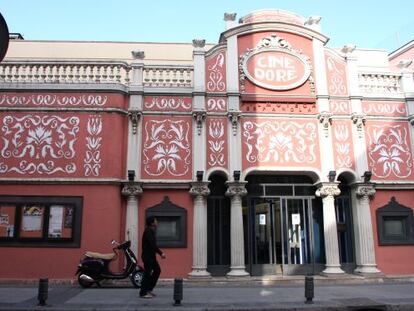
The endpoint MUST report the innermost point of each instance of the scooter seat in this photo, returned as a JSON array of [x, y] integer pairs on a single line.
[[100, 256]]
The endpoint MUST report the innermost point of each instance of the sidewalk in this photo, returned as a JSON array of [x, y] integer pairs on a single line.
[[254, 294]]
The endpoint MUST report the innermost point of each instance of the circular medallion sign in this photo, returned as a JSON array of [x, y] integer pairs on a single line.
[[276, 69]]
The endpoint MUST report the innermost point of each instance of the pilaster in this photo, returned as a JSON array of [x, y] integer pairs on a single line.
[[135, 113], [199, 191], [236, 190], [199, 113], [327, 191], [363, 232], [131, 190]]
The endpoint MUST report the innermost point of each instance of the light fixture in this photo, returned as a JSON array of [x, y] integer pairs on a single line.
[[331, 176], [367, 176], [236, 175], [131, 175], [199, 175]]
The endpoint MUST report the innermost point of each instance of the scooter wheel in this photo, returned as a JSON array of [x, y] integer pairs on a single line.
[[84, 283], [136, 278]]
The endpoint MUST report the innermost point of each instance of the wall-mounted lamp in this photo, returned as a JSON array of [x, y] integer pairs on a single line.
[[236, 175], [131, 175], [199, 175], [367, 176], [331, 176]]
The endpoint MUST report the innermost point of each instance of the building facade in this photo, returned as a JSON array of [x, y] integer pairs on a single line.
[[267, 153]]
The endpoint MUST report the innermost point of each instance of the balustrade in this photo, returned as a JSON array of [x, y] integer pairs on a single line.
[[63, 72], [380, 83]]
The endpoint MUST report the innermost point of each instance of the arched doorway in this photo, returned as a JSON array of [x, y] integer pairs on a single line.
[[218, 227], [283, 225]]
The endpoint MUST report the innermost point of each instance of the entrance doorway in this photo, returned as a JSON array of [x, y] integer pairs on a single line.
[[279, 226]]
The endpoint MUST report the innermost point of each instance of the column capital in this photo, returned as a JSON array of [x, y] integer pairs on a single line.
[[359, 120], [200, 188], [236, 188], [131, 189], [327, 189], [199, 117], [134, 115], [325, 118], [234, 119], [364, 190]]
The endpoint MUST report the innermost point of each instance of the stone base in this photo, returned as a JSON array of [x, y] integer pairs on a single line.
[[237, 272], [199, 274], [333, 270], [367, 270]]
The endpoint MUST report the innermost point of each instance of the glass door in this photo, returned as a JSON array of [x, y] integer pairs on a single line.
[[264, 240], [297, 250]]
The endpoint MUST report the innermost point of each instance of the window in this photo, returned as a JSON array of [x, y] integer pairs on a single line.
[[395, 224], [172, 224], [40, 221]]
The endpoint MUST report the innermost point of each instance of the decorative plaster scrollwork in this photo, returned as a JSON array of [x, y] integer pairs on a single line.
[[365, 191], [325, 118], [328, 190], [131, 189], [200, 189], [134, 115], [359, 121], [234, 117], [199, 117]]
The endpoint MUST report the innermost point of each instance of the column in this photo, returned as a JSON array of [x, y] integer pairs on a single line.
[[364, 237], [200, 191], [235, 191], [132, 190], [327, 191]]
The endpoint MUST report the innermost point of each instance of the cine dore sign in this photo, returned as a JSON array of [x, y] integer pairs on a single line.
[[276, 69]]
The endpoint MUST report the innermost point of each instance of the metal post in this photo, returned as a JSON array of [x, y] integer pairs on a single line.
[[309, 286], [178, 292], [43, 291]]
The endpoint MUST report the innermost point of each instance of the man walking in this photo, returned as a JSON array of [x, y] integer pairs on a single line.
[[152, 269]]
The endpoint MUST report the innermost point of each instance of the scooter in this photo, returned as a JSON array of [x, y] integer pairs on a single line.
[[94, 267]]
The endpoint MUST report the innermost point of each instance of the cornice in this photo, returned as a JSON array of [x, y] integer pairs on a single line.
[[216, 48], [273, 26], [101, 87]]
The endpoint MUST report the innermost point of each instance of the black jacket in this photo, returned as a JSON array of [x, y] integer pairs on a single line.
[[149, 245]]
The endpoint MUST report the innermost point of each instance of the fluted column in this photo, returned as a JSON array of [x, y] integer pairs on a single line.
[[327, 192], [132, 190], [235, 191], [364, 236], [200, 190]]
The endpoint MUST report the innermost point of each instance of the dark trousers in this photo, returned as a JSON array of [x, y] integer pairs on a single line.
[[152, 272]]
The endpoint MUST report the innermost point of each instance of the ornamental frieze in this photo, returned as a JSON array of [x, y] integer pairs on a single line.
[[50, 100], [282, 108]]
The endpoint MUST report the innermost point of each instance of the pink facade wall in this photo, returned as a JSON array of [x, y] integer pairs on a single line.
[[392, 260], [179, 260], [280, 143], [166, 147], [101, 222], [389, 150]]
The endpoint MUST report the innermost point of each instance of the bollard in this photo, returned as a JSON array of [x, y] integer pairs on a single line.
[[178, 292], [309, 289], [43, 290]]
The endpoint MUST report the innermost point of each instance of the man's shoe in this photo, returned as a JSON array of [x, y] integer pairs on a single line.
[[152, 294], [146, 296]]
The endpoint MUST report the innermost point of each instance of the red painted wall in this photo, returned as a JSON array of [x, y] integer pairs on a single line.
[[392, 260], [179, 260], [101, 222]]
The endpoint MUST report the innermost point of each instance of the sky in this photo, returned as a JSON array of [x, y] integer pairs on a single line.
[[377, 24]]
